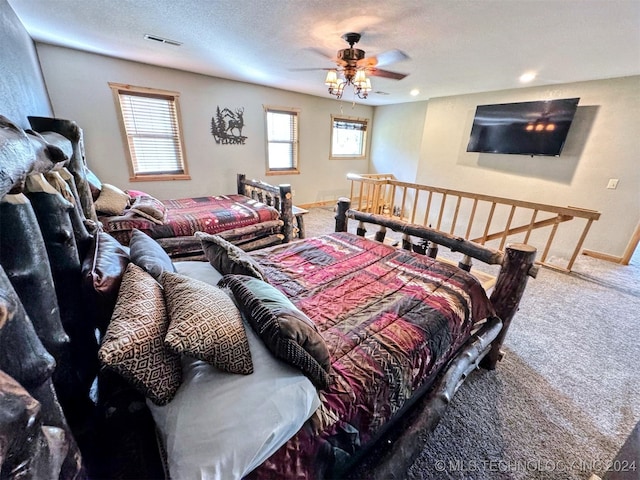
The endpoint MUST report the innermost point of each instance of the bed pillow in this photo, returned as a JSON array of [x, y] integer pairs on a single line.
[[223, 426], [134, 343], [205, 324], [286, 331], [112, 200], [136, 193], [225, 257], [150, 208], [102, 270], [145, 252]]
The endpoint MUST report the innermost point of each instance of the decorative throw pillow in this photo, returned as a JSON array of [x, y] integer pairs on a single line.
[[136, 193], [102, 270], [145, 252], [57, 182], [112, 200], [150, 208], [228, 258], [286, 331], [205, 324], [134, 343]]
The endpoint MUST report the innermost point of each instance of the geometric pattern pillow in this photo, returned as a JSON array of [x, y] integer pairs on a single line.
[[133, 345], [112, 200], [227, 258], [205, 324], [285, 330]]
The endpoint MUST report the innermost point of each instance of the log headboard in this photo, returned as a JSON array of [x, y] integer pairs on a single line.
[[35, 322], [53, 406]]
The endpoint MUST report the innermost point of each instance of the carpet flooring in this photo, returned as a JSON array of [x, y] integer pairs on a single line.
[[566, 395]]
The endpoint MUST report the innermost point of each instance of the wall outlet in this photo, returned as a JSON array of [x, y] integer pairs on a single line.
[[613, 183]]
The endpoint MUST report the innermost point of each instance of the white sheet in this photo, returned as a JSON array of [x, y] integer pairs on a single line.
[[221, 425]]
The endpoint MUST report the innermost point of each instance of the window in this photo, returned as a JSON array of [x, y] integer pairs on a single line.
[[150, 122], [282, 140], [348, 137]]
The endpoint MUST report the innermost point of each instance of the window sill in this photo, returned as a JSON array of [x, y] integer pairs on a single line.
[[159, 178], [348, 158], [282, 172]]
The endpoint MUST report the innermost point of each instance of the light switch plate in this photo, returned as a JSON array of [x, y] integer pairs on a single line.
[[613, 183]]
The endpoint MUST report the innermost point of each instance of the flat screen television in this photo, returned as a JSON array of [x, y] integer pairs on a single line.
[[524, 128]]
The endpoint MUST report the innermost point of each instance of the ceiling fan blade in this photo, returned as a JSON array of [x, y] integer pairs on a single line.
[[384, 58], [321, 53], [378, 72], [309, 69]]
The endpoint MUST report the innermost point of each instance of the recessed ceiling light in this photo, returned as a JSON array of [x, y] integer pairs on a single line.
[[415, 92], [527, 77]]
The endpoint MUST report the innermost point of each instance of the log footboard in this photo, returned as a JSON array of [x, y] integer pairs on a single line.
[[396, 451]]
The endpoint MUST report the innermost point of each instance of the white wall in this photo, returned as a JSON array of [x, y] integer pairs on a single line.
[[79, 90], [603, 143]]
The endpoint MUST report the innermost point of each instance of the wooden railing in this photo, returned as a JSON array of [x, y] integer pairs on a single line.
[[474, 216]]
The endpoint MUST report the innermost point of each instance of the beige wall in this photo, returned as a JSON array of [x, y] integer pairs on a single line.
[[423, 142], [79, 90], [397, 139], [603, 143]]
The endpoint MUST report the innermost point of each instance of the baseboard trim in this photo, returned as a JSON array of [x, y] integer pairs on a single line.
[[602, 256], [317, 204]]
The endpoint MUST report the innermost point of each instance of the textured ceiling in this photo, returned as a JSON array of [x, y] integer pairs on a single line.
[[455, 46]]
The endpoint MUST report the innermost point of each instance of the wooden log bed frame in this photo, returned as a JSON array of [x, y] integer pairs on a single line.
[[46, 393], [517, 263]]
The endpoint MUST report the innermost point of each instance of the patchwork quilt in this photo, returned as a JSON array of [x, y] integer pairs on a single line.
[[390, 318], [186, 216]]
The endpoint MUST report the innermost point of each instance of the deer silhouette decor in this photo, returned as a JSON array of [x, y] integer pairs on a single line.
[[226, 126]]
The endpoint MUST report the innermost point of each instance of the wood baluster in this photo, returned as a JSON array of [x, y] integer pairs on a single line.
[[406, 242], [380, 234], [465, 263]]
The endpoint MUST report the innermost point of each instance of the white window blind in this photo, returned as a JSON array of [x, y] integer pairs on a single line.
[[348, 137], [282, 140], [150, 122]]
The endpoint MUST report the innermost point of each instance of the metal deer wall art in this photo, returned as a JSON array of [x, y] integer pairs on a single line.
[[226, 126]]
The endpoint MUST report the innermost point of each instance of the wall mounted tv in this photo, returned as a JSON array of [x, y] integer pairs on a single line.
[[524, 128]]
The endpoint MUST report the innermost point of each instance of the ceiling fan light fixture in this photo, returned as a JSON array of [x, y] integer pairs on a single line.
[[332, 79], [361, 84]]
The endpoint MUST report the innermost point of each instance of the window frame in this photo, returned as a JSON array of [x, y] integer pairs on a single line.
[[119, 89], [295, 142], [365, 143]]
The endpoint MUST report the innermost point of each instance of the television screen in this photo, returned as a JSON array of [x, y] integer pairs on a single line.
[[525, 128]]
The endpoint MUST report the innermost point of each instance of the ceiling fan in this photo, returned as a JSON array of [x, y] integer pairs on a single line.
[[353, 68]]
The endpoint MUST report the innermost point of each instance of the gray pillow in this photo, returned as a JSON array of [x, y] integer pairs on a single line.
[[145, 252]]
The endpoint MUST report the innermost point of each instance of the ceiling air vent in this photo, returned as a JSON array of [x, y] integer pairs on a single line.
[[156, 38]]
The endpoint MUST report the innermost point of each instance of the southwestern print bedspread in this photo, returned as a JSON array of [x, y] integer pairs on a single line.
[[391, 319], [186, 216]]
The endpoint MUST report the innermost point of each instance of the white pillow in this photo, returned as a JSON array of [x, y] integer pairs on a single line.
[[221, 425]]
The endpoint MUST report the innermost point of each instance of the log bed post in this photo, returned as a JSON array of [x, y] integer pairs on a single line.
[[341, 214], [517, 266], [286, 210], [241, 178]]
